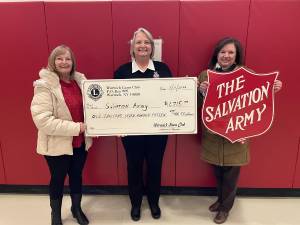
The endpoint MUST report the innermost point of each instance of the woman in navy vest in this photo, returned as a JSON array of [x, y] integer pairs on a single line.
[[148, 148]]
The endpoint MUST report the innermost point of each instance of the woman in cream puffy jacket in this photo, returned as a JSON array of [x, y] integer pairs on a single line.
[[57, 112], [52, 116]]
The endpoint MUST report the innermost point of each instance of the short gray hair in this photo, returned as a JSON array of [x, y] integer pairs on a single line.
[[148, 35]]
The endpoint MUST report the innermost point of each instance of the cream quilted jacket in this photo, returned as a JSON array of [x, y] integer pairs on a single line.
[[52, 116]]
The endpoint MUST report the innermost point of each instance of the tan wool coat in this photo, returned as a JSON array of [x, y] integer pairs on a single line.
[[218, 150], [52, 116]]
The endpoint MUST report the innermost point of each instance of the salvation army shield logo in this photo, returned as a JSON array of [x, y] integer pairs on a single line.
[[239, 104]]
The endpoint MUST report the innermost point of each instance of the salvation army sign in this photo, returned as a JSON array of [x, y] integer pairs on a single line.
[[239, 104]]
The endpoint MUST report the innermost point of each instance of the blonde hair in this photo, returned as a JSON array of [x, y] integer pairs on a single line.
[[148, 35], [59, 50]]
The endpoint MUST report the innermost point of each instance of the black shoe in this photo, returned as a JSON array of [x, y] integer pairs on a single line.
[[79, 216], [155, 211], [77, 211], [221, 217], [214, 207], [135, 213], [56, 211]]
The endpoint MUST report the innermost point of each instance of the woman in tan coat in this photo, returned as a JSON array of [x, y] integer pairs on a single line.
[[57, 112], [225, 157]]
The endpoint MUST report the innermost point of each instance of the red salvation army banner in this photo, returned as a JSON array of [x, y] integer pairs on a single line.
[[239, 104]]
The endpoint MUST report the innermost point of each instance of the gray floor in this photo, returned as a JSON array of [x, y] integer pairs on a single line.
[[190, 210]]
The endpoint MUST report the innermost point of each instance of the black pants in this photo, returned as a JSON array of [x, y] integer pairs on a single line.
[[227, 178], [60, 166], [151, 149]]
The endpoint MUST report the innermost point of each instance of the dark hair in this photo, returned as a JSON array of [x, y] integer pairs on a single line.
[[228, 40]]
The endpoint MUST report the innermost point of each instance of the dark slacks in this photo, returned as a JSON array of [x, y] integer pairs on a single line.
[[148, 148], [60, 166], [227, 178]]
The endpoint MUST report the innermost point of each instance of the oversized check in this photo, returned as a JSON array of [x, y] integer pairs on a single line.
[[140, 106]]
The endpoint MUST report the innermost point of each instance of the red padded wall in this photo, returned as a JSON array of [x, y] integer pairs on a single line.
[[297, 172], [2, 173], [161, 19], [272, 44], [87, 28], [202, 24], [23, 51]]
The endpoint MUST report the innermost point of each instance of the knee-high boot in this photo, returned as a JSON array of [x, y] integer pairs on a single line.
[[56, 211], [77, 211]]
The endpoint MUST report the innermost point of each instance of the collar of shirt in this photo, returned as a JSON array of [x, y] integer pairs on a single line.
[[136, 68]]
